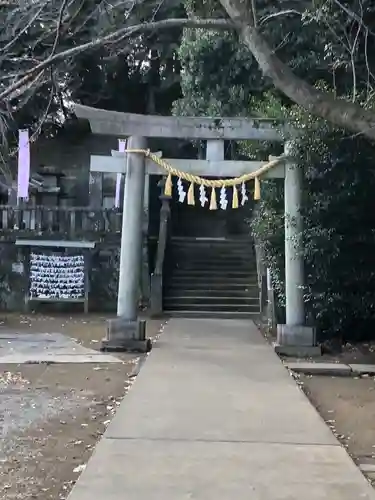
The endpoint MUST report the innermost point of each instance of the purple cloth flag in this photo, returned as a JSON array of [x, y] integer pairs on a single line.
[[121, 147], [23, 177]]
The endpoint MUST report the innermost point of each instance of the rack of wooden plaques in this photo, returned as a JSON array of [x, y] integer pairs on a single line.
[[57, 271]]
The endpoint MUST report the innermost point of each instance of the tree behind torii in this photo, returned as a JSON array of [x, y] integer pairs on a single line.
[[39, 61]]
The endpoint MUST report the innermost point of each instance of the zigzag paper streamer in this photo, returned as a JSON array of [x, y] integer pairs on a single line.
[[244, 197], [181, 191], [223, 198], [202, 195]]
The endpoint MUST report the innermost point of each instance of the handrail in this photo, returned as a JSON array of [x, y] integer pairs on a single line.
[[156, 299]]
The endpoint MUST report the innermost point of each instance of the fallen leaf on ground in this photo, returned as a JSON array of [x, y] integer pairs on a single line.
[[80, 468]]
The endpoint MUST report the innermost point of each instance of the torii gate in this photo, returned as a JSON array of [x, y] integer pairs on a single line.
[[139, 127]]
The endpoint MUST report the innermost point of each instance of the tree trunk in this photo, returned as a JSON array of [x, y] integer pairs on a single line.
[[340, 112]]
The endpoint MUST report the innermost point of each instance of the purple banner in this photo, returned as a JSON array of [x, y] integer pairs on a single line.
[[23, 176], [121, 147]]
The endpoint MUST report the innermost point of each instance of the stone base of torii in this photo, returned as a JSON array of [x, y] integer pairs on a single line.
[[127, 331]]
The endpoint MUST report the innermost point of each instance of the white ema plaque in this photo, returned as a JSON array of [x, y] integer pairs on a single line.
[[57, 276]]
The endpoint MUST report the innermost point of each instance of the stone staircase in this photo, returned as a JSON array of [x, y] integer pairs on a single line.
[[211, 277]]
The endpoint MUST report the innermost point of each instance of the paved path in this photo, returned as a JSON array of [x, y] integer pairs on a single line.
[[18, 348], [214, 415]]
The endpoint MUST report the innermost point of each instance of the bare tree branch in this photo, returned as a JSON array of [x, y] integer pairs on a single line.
[[116, 35], [18, 36], [59, 24], [263, 20], [353, 61]]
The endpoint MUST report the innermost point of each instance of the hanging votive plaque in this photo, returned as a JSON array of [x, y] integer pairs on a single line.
[[57, 276]]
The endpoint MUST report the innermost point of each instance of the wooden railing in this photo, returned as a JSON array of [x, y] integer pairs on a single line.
[[68, 221]]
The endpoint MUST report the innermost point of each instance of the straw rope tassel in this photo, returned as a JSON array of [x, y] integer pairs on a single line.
[[256, 188], [168, 186], [213, 203], [235, 198], [190, 196], [210, 183]]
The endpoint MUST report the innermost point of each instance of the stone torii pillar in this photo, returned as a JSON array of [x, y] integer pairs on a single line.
[[294, 337], [126, 332], [294, 265]]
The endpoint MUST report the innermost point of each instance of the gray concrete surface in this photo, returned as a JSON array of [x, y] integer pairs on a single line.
[[308, 368], [360, 369], [214, 414], [330, 368], [18, 348], [298, 351]]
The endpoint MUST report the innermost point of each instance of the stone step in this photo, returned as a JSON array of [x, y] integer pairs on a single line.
[[213, 249], [193, 283], [193, 252], [212, 244], [213, 274], [212, 285], [191, 288], [213, 277], [224, 307], [213, 261], [197, 299], [211, 314], [212, 293], [184, 240], [212, 270]]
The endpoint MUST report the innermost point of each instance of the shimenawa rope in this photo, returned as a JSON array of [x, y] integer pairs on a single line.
[[209, 183]]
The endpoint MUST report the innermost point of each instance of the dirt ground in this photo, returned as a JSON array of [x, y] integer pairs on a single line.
[[348, 406], [52, 415], [362, 353]]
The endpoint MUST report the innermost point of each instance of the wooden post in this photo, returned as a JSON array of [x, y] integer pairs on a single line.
[[26, 269], [87, 263], [96, 190], [157, 275]]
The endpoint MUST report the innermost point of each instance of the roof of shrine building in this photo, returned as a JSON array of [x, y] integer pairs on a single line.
[[125, 124]]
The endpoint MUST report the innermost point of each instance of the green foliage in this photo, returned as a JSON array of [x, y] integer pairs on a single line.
[[209, 86], [338, 229], [267, 228]]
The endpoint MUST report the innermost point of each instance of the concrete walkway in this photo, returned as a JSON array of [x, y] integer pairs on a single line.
[[214, 415]]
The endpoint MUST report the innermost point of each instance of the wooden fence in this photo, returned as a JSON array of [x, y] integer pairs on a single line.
[[69, 221]]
